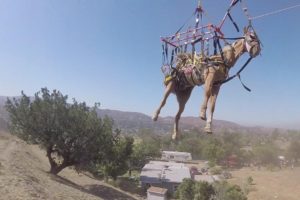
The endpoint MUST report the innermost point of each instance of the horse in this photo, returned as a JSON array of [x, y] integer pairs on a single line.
[[209, 74]]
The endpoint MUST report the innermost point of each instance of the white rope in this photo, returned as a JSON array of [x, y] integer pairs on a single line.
[[275, 12]]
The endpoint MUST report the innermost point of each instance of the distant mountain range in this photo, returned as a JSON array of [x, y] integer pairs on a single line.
[[134, 122]]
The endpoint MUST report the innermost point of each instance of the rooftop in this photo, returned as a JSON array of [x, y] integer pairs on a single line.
[[158, 172], [157, 190], [176, 153]]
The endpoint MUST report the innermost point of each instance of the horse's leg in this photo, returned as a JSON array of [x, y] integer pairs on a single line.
[[182, 98], [169, 88], [212, 103], [209, 79]]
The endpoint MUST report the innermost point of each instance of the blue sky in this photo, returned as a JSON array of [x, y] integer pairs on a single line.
[[109, 51]]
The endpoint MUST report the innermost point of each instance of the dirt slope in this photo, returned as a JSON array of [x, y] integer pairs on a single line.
[[24, 176]]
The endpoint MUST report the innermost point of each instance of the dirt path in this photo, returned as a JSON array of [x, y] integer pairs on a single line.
[[24, 176]]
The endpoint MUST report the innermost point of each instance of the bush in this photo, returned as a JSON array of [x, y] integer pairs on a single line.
[[266, 154], [216, 170], [225, 191], [250, 180], [203, 191], [185, 190], [211, 163]]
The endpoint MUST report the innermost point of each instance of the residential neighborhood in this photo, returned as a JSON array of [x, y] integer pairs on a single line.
[[162, 177]]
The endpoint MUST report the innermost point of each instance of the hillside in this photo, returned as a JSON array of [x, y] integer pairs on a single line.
[[133, 122], [24, 175]]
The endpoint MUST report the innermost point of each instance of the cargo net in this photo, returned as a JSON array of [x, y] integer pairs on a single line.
[[192, 49]]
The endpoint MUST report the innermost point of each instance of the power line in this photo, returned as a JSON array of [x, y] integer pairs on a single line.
[[275, 12]]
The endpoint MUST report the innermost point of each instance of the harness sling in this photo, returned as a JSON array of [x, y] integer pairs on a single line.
[[236, 75]]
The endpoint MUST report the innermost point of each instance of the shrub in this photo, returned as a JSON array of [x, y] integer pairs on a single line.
[[216, 170], [225, 191]]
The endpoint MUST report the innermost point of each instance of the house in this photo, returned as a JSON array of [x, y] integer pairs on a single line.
[[156, 193], [176, 156], [167, 175]]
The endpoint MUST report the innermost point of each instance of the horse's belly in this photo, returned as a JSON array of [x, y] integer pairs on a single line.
[[220, 72], [194, 76]]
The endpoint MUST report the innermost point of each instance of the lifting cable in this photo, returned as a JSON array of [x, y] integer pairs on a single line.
[[275, 12]]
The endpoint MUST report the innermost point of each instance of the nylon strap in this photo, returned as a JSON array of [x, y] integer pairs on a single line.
[[234, 3], [236, 75], [183, 25], [246, 88], [163, 55], [172, 57], [166, 52], [233, 22], [234, 38]]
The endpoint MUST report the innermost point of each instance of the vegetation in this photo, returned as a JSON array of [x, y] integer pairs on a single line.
[[245, 149], [293, 151], [115, 162], [249, 180], [186, 190], [71, 133], [145, 148], [266, 153], [195, 190]]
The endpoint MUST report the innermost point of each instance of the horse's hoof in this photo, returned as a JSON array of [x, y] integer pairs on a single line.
[[174, 136], [208, 130], [155, 117], [203, 116]]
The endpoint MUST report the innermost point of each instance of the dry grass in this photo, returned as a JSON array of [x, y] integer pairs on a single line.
[[282, 184], [24, 175]]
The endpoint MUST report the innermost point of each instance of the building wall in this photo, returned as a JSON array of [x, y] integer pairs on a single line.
[[170, 186], [154, 196]]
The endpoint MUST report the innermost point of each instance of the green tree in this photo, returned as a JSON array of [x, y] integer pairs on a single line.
[[232, 143], [293, 150], [71, 133], [186, 190], [116, 161], [203, 191], [213, 150], [275, 134], [194, 190], [266, 153], [192, 144], [225, 191], [146, 147], [235, 193]]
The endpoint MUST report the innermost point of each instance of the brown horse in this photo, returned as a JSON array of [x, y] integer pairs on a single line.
[[212, 73]]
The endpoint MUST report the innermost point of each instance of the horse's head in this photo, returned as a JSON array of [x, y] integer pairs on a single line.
[[252, 42]]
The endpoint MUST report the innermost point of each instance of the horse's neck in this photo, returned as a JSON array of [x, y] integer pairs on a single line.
[[239, 49], [232, 55]]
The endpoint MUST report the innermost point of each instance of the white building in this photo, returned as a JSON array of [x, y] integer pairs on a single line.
[[176, 156], [164, 174]]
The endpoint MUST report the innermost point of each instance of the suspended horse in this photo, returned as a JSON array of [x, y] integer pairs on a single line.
[[196, 70]]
